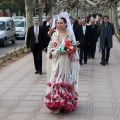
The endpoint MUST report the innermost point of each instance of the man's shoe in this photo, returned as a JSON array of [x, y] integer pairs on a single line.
[[102, 63], [36, 72], [85, 62], [81, 63], [107, 62], [40, 72]]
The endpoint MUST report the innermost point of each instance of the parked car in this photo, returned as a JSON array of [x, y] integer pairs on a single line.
[[20, 26], [7, 30]]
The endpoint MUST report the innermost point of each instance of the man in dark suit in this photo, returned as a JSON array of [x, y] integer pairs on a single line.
[[94, 38], [83, 36], [76, 21], [35, 42], [106, 31], [46, 23], [46, 26], [73, 25]]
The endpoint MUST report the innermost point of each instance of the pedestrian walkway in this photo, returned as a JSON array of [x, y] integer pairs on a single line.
[[22, 91]]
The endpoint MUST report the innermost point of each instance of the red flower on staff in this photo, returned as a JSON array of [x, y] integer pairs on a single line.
[[55, 44]]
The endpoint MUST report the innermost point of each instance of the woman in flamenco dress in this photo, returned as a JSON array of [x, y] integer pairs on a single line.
[[62, 68]]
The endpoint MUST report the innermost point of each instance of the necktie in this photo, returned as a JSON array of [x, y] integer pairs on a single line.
[[36, 34]]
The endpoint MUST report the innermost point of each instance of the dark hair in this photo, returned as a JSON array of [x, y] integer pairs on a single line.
[[84, 19], [98, 22], [63, 19], [71, 17], [100, 15], [106, 16]]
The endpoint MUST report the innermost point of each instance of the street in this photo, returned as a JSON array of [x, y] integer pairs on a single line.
[[11, 47]]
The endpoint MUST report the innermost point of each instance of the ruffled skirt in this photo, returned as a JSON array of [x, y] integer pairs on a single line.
[[62, 96]]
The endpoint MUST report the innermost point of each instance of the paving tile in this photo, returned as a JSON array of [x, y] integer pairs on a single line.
[[36, 93], [103, 118], [23, 110], [103, 112], [10, 97], [102, 95], [28, 103], [102, 105], [3, 110], [6, 103], [15, 93], [82, 99], [18, 117], [48, 116], [74, 117]]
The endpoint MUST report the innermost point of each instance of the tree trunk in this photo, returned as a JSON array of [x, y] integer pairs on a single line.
[[29, 14], [50, 11], [115, 17], [41, 4]]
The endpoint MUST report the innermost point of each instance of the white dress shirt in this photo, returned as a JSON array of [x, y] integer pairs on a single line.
[[47, 23], [35, 28], [101, 21], [84, 29]]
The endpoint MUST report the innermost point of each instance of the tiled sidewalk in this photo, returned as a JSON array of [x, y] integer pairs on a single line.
[[22, 92]]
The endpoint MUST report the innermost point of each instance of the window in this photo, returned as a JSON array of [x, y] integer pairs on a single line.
[[19, 23], [2, 25], [12, 24], [8, 25]]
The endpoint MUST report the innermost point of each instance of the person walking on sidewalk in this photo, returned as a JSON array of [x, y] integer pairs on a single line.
[[100, 21], [35, 42], [62, 68], [106, 31], [83, 36], [94, 38]]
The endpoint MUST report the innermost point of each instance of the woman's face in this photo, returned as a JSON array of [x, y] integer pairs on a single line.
[[56, 24], [61, 24]]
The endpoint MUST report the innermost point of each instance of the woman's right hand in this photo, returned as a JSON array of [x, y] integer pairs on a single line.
[[50, 56]]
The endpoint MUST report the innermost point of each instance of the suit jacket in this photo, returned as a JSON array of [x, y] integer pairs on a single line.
[[31, 38], [75, 30], [46, 29], [101, 33], [44, 23], [83, 39], [94, 34]]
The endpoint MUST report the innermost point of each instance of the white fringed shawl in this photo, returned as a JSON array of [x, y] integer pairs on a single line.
[[70, 66]]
